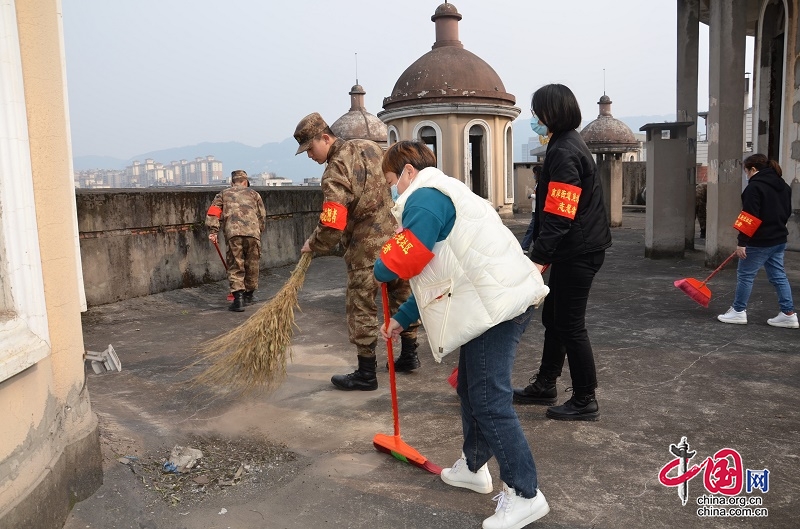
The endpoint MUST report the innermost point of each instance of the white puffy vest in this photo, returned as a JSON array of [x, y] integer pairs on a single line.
[[478, 276]]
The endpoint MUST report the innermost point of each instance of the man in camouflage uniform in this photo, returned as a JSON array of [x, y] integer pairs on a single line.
[[242, 212], [356, 212], [700, 198]]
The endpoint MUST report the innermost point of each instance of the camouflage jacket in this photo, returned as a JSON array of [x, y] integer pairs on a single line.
[[357, 206], [240, 209]]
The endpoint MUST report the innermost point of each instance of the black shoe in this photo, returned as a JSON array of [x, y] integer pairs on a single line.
[[577, 408], [249, 297], [406, 362], [238, 302], [362, 379], [408, 359], [541, 390]]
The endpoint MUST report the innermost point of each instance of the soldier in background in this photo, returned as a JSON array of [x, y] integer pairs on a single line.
[[356, 213], [700, 199], [241, 211]]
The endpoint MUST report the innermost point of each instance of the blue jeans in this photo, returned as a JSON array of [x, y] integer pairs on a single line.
[[491, 426], [527, 239], [771, 258]]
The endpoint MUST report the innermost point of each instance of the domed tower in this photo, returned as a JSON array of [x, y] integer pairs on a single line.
[[607, 135], [609, 139], [358, 123], [452, 100]]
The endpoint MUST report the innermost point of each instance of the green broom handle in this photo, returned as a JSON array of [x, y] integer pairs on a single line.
[[386, 318]]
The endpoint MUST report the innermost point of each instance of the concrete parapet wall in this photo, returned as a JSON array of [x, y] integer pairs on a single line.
[[139, 242]]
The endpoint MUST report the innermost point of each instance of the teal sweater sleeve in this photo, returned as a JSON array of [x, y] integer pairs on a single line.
[[429, 214]]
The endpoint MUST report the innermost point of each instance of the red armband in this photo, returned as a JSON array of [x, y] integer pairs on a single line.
[[214, 211], [747, 223], [562, 199], [334, 215], [404, 255]]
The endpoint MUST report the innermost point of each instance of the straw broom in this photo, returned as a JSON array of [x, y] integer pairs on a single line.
[[253, 355]]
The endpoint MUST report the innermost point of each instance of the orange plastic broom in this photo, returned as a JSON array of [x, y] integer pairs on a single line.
[[393, 444], [697, 290]]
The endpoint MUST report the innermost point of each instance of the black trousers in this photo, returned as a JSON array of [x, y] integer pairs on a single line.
[[564, 320]]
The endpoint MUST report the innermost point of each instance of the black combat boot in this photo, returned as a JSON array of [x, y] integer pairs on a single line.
[[238, 303], [362, 379], [408, 359], [249, 297], [541, 390], [577, 408]]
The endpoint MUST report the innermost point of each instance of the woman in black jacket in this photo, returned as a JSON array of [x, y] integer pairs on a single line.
[[766, 207], [571, 235]]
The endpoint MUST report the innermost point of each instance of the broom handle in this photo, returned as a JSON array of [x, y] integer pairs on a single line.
[[726, 261], [220, 255], [392, 385]]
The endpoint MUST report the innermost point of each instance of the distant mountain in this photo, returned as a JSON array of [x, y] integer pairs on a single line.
[[522, 127], [273, 157], [279, 157], [87, 163], [636, 122]]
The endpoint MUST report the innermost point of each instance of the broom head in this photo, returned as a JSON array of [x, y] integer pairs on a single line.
[[453, 378], [697, 290], [396, 447]]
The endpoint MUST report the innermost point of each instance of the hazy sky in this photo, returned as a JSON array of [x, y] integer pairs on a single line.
[[145, 75]]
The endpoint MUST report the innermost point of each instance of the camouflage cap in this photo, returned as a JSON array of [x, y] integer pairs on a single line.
[[309, 128], [239, 172]]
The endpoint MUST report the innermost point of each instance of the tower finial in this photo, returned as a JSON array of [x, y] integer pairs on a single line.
[[356, 67], [604, 81]]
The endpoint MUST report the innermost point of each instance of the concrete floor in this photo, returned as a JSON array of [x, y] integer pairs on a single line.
[[666, 369]]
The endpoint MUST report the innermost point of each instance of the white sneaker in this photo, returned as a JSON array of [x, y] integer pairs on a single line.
[[459, 475], [784, 320], [734, 316], [515, 512]]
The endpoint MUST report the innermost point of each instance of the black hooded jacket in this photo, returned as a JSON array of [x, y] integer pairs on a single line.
[[768, 198], [557, 237]]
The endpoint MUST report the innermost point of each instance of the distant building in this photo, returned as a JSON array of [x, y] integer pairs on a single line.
[[201, 171], [313, 181], [270, 180], [100, 178]]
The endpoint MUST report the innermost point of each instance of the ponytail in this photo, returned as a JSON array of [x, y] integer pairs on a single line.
[[759, 162]]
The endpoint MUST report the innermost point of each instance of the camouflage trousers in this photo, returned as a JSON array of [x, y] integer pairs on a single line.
[[362, 308], [243, 256], [700, 200]]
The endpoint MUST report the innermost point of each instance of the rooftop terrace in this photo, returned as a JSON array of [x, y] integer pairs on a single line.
[[666, 368]]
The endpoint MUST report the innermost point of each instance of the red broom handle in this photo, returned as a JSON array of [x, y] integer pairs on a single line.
[[726, 261], [220, 255], [389, 352]]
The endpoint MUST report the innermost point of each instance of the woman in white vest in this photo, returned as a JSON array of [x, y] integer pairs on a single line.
[[474, 289]]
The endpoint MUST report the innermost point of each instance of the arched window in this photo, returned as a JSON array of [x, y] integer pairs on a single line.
[[392, 135], [427, 135], [430, 134], [478, 158]]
